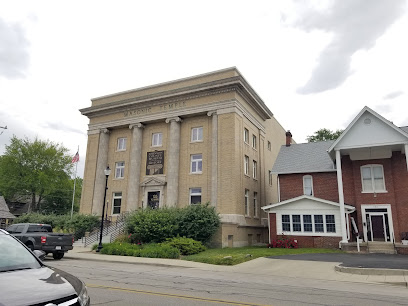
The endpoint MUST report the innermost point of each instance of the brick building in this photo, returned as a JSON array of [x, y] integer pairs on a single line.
[[332, 192], [207, 138]]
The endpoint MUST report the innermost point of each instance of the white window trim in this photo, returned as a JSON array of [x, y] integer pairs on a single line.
[[196, 161], [311, 184], [122, 140], [254, 169], [195, 194], [246, 202], [313, 232], [160, 137], [246, 136], [371, 166], [114, 196], [122, 170], [254, 142], [246, 165], [197, 129], [255, 203]]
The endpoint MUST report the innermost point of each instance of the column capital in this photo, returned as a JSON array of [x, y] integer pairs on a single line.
[[211, 113], [105, 131], [175, 119], [136, 125]]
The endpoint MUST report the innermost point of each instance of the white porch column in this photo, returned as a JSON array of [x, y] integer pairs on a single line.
[[135, 166], [341, 197], [101, 164], [214, 158], [173, 161], [406, 154]]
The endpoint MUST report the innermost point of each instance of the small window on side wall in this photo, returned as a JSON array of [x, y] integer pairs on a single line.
[[117, 203], [121, 144], [308, 185], [246, 135], [157, 139], [197, 134], [195, 195]]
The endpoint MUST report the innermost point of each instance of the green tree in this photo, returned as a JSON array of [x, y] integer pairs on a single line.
[[59, 200], [323, 135], [33, 169]]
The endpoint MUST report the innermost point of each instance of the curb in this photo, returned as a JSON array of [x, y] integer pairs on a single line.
[[371, 271]]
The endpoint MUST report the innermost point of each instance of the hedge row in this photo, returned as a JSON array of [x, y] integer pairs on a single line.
[[78, 225], [199, 222]]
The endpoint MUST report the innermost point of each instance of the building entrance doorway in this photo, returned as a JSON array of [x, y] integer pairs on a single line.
[[153, 199], [378, 224]]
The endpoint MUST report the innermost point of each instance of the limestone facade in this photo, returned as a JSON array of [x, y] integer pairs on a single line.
[[208, 138]]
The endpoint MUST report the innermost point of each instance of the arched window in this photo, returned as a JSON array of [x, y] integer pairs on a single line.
[[308, 185]]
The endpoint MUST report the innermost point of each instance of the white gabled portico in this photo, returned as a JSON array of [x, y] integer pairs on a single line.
[[368, 137]]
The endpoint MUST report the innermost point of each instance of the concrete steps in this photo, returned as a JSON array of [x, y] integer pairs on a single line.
[[381, 247]]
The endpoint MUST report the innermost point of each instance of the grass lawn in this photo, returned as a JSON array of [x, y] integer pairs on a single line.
[[233, 256]]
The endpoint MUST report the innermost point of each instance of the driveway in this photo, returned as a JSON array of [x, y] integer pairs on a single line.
[[377, 261]]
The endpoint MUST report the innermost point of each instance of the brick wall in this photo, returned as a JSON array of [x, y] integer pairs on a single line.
[[324, 185]]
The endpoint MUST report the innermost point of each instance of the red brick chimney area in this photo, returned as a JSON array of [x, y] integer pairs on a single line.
[[288, 138]]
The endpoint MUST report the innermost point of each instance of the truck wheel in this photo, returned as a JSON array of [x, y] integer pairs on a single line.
[[30, 246], [58, 255]]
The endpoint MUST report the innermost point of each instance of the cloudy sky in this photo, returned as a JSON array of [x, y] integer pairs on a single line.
[[316, 64]]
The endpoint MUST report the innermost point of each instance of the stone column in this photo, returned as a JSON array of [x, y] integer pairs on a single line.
[[214, 157], [173, 161], [100, 178], [135, 166], [341, 197]]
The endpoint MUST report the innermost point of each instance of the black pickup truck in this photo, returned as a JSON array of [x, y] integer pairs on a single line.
[[41, 237]]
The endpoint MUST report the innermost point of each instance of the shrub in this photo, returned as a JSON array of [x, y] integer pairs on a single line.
[[149, 250], [283, 242], [186, 246], [198, 222], [79, 224], [152, 225]]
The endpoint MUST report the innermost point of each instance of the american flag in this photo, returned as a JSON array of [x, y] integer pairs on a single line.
[[75, 159]]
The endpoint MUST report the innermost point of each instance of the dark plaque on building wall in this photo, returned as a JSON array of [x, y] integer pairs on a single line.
[[155, 162]]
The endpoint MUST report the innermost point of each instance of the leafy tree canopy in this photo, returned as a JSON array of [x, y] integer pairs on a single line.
[[323, 135], [34, 170]]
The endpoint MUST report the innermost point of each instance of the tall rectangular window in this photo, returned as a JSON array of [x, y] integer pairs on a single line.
[[246, 136], [120, 170], [121, 144], [308, 185], [254, 141], [270, 178], [330, 224], [246, 165], [195, 195], [372, 177], [246, 202], [297, 226], [307, 223], [318, 223], [197, 134], [196, 163], [157, 139], [286, 223], [117, 203], [255, 204], [254, 169], [269, 145]]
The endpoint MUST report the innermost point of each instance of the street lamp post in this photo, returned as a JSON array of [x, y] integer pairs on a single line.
[[107, 172]]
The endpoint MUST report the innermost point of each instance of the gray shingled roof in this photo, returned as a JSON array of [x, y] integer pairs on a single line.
[[4, 210], [304, 157], [404, 128]]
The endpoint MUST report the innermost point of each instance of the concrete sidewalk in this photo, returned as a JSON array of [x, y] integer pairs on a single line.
[[293, 267]]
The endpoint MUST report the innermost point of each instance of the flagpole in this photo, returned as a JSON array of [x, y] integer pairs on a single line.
[[73, 193]]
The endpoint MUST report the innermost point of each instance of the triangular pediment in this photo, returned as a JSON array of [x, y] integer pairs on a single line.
[[369, 129], [153, 181]]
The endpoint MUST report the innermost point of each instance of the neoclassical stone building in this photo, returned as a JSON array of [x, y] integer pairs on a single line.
[[207, 138]]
